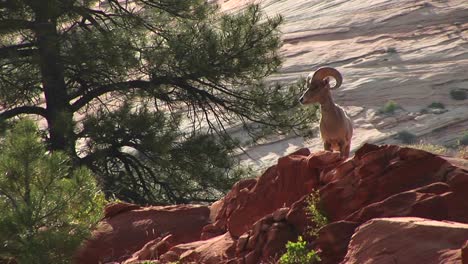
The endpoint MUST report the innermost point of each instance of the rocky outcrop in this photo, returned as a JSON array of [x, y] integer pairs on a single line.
[[282, 185], [364, 197], [464, 253], [132, 232], [389, 181], [407, 240], [214, 250]]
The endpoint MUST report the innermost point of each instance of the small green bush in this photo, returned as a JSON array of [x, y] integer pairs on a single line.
[[436, 105], [458, 94], [424, 111], [298, 253], [463, 141], [47, 206], [315, 214], [406, 137], [389, 108]]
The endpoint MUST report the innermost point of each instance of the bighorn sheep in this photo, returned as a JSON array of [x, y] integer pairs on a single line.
[[336, 127]]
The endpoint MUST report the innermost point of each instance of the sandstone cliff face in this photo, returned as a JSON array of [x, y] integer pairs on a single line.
[[412, 52], [385, 204]]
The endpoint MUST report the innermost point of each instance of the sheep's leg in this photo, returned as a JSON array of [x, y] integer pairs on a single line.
[[327, 146], [344, 149]]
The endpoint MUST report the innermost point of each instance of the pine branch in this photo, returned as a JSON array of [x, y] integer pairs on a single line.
[[88, 96], [20, 50], [33, 110], [9, 25]]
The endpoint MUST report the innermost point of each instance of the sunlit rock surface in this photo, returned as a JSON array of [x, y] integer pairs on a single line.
[[411, 52]]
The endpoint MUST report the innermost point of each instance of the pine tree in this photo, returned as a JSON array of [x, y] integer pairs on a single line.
[[48, 207], [141, 91]]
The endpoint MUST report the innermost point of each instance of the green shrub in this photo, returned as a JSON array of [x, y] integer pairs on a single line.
[[389, 108], [315, 214], [458, 94], [298, 253], [47, 206], [406, 137], [463, 141], [436, 105]]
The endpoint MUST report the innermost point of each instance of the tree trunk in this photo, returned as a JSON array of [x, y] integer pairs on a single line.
[[59, 114]]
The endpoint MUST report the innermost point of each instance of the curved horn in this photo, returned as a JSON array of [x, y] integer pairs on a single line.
[[325, 72]]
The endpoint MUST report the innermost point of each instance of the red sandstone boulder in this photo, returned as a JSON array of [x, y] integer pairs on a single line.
[[266, 240], [224, 207], [376, 173], [295, 175], [217, 250], [421, 202], [121, 234], [253, 222], [389, 181], [333, 240], [152, 250], [407, 240], [464, 253]]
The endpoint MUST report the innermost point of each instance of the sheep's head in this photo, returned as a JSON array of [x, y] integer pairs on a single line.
[[318, 85]]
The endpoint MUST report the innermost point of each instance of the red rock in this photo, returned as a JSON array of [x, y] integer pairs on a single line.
[[113, 209], [280, 214], [229, 203], [253, 222], [174, 254], [434, 188], [297, 215], [457, 206], [266, 240], [379, 173], [411, 203], [210, 231], [461, 163], [119, 236], [280, 186], [458, 181], [333, 240], [341, 170], [152, 250], [324, 159], [464, 253], [242, 243], [278, 234], [407, 240], [364, 149], [217, 250], [301, 152]]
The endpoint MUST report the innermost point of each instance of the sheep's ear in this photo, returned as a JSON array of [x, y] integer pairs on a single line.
[[326, 81]]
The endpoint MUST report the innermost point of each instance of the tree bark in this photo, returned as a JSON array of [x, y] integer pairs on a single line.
[[59, 115]]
